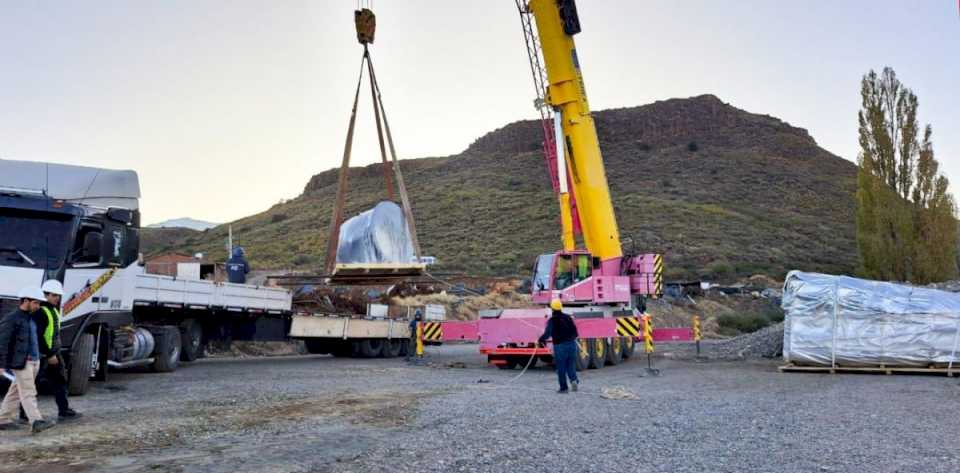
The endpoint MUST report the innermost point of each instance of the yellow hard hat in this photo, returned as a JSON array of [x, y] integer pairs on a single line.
[[556, 304]]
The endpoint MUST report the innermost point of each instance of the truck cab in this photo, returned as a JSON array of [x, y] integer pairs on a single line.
[[81, 226]]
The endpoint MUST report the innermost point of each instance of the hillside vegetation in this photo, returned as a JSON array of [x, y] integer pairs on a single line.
[[720, 191]]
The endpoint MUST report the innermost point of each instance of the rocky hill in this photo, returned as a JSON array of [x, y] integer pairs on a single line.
[[720, 191]]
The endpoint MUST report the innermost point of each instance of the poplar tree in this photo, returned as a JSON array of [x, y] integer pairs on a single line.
[[906, 226]]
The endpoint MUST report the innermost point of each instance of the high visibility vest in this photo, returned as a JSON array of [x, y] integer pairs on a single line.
[[53, 317]]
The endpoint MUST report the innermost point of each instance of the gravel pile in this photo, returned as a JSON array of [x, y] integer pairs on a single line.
[[764, 343]]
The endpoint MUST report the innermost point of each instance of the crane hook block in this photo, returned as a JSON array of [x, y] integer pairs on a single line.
[[366, 23]]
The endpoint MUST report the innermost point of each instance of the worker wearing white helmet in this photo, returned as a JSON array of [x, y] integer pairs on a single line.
[[20, 356], [52, 366]]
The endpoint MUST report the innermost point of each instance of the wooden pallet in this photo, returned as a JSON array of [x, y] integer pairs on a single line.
[[790, 367]]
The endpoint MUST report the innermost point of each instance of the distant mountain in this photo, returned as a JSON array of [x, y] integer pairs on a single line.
[[720, 191], [185, 222]]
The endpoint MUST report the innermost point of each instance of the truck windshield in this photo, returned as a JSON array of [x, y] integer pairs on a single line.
[[32, 239]]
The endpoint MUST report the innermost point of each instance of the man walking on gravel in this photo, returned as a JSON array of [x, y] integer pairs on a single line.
[[52, 366], [562, 329], [20, 356]]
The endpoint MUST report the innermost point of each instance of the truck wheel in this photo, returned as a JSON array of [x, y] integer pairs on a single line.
[[317, 346], [342, 348], [191, 338], [405, 348], [166, 356], [81, 365], [392, 348], [614, 350], [371, 347]]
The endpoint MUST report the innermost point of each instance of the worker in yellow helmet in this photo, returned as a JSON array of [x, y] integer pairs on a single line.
[[563, 330]]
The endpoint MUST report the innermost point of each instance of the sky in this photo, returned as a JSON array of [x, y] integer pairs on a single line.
[[225, 108]]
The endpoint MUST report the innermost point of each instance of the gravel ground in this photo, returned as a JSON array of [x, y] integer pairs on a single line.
[[319, 414]]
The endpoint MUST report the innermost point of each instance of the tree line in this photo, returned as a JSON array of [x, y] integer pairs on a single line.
[[906, 225]]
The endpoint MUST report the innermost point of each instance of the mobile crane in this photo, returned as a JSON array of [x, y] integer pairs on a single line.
[[603, 289]]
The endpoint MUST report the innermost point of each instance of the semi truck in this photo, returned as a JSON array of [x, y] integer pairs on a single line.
[[81, 226]]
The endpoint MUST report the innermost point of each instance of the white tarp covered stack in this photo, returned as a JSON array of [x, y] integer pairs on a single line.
[[844, 321]]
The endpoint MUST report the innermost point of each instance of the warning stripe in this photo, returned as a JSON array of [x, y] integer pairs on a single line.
[[432, 331], [658, 274], [628, 326]]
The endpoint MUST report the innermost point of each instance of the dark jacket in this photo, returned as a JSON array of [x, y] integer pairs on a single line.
[[15, 340], [237, 267], [40, 318], [560, 328]]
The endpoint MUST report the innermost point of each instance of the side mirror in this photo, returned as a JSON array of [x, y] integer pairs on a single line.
[[92, 245]]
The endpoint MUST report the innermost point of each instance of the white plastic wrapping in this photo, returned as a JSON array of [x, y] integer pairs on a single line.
[[379, 235], [844, 321]]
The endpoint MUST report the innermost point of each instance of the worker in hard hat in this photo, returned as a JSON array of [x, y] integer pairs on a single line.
[[20, 357], [412, 346], [563, 330], [52, 366], [237, 267]]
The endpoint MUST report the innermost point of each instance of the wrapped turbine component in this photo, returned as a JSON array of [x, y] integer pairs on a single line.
[[844, 321], [379, 235]]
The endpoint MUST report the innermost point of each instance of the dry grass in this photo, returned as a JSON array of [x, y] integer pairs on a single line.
[[469, 307]]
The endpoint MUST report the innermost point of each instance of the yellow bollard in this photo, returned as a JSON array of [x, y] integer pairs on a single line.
[[419, 339], [696, 333], [647, 333]]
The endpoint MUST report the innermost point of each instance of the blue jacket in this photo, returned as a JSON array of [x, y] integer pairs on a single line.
[[15, 336], [237, 267]]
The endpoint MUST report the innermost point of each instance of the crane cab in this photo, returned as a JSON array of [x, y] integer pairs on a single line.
[[576, 277]]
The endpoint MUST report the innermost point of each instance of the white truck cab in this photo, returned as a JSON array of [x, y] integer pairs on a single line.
[[81, 226]]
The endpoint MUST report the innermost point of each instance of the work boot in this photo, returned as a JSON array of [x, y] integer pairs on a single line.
[[562, 391], [575, 385], [69, 415], [41, 425]]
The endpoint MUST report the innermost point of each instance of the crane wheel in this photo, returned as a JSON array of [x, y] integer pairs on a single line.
[[629, 344], [614, 350], [598, 352], [583, 354]]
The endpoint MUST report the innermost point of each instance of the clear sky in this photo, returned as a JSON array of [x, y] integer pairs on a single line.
[[226, 107]]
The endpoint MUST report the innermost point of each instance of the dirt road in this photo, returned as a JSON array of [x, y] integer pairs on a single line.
[[321, 414]]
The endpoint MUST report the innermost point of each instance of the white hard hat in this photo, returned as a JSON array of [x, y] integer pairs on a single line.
[[52, 286], [31, 292]]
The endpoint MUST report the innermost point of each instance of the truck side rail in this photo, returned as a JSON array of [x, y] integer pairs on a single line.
[[166, 291]]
